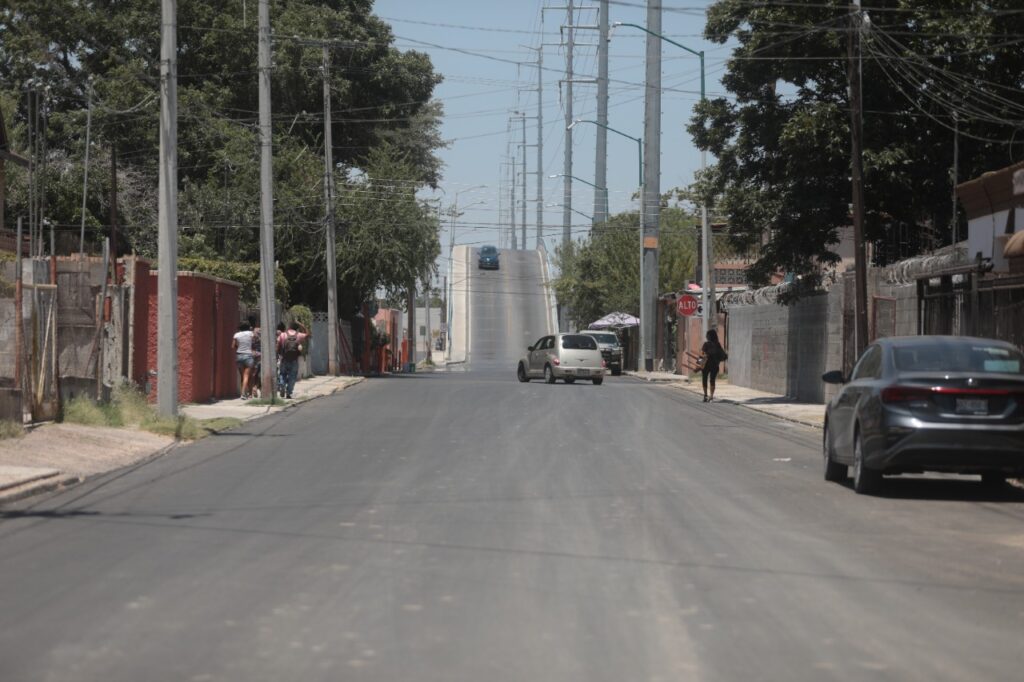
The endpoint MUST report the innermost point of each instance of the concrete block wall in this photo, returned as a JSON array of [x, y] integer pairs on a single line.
[[785, 349]]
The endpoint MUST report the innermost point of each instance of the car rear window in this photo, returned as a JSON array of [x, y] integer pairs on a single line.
[[605, 338], [959, 356], [578, 342]]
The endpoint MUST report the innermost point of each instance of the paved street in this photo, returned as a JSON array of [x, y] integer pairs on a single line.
[[463, 526]]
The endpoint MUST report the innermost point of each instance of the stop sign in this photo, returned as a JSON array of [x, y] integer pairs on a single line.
[[686, 305]]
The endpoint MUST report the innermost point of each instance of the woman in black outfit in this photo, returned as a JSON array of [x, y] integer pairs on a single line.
[[714, 355]]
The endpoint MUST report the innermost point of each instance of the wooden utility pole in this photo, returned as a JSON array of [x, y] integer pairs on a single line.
[[167, 200], [856, 174], [332, 277], [267, 339]]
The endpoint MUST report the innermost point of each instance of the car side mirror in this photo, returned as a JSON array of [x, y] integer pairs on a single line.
[[833, 377], [529, 348]]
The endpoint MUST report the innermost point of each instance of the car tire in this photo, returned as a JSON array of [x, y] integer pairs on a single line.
[[570, 380], [865, 481], [549, 375], [521, 374], [993, 480], [835, 472], [598, 381]]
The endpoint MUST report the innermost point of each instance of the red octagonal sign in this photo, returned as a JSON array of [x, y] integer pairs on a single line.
[[686, 305]]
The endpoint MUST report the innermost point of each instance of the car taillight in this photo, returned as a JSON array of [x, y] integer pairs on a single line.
[[556, 361], [906, 394]]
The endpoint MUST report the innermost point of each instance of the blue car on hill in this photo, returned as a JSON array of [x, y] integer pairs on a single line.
[[489, 258]]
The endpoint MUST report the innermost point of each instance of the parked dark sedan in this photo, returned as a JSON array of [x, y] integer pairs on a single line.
[[927, 403], [488, 258]]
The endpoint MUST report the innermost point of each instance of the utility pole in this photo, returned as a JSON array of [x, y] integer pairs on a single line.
[[567, 156], [540, 138], [601, 143], [267, 340], [167, 238], [650, 206], [85, 168], [856, 175], [512, 193], [113, 200], [522, 216], [331, 256], [426, 305]]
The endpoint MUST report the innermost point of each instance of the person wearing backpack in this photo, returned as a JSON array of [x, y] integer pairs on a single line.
[[290, 347], [714, 355]]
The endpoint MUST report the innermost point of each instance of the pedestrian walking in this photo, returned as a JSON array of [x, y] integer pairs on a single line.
[[281, 328], [713, 355], [290, 346], [256, 381], [242, 344]]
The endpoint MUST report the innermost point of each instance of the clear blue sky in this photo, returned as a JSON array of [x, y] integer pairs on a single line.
[[479, 93]]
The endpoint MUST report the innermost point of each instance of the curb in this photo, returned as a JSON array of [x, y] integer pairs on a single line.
[[756, 408], [38, 486]]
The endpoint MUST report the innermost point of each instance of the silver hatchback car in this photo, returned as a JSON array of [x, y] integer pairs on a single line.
[[563, 356]]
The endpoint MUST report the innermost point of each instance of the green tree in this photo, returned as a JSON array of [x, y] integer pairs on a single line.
[[600, 274], [381, 97], [389, 238], [782, 137]]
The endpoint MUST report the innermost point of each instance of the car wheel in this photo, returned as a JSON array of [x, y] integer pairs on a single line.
[[834, 471], [993, 480], [521, 374], [598, 381], [865, 481], [570, 380], [549, 375]]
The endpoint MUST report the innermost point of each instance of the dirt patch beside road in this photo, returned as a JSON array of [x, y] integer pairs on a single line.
[[80, 450]]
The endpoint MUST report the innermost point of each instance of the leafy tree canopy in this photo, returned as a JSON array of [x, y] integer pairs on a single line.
[[601, 274], [782, 136], [381, 98]]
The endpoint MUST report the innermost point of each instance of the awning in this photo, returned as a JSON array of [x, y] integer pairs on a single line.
[[615, 321]]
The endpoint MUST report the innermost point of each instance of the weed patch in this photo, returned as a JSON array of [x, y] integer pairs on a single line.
[[10, 429], [128, 408]]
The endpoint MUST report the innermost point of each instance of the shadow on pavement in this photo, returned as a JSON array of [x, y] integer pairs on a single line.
[[945, 489]]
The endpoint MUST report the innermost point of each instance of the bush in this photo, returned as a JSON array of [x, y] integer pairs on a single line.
[[246, 274]]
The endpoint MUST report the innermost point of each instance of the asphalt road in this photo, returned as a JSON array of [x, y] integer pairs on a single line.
[[463, 526], [508, 309]]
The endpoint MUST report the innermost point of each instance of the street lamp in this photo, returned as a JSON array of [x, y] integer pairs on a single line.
[[640, 177], [588, 217], [585, 182], [708, 283], [451, 262]]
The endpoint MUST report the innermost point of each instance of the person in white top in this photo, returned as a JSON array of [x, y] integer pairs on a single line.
[[242, 345]]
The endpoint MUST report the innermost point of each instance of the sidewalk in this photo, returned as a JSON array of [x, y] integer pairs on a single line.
[[811, 414], [52, 456]]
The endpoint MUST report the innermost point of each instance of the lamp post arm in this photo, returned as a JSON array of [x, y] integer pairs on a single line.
[[697, 53]]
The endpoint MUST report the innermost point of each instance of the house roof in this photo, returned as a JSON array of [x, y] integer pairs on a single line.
[[5, 149], [994, 191]]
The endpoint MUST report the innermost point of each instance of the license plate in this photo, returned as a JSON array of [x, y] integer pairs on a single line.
[[971, 406], [583, 372]]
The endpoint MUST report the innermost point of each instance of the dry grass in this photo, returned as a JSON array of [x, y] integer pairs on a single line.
[[128, 408], [10, 429]]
